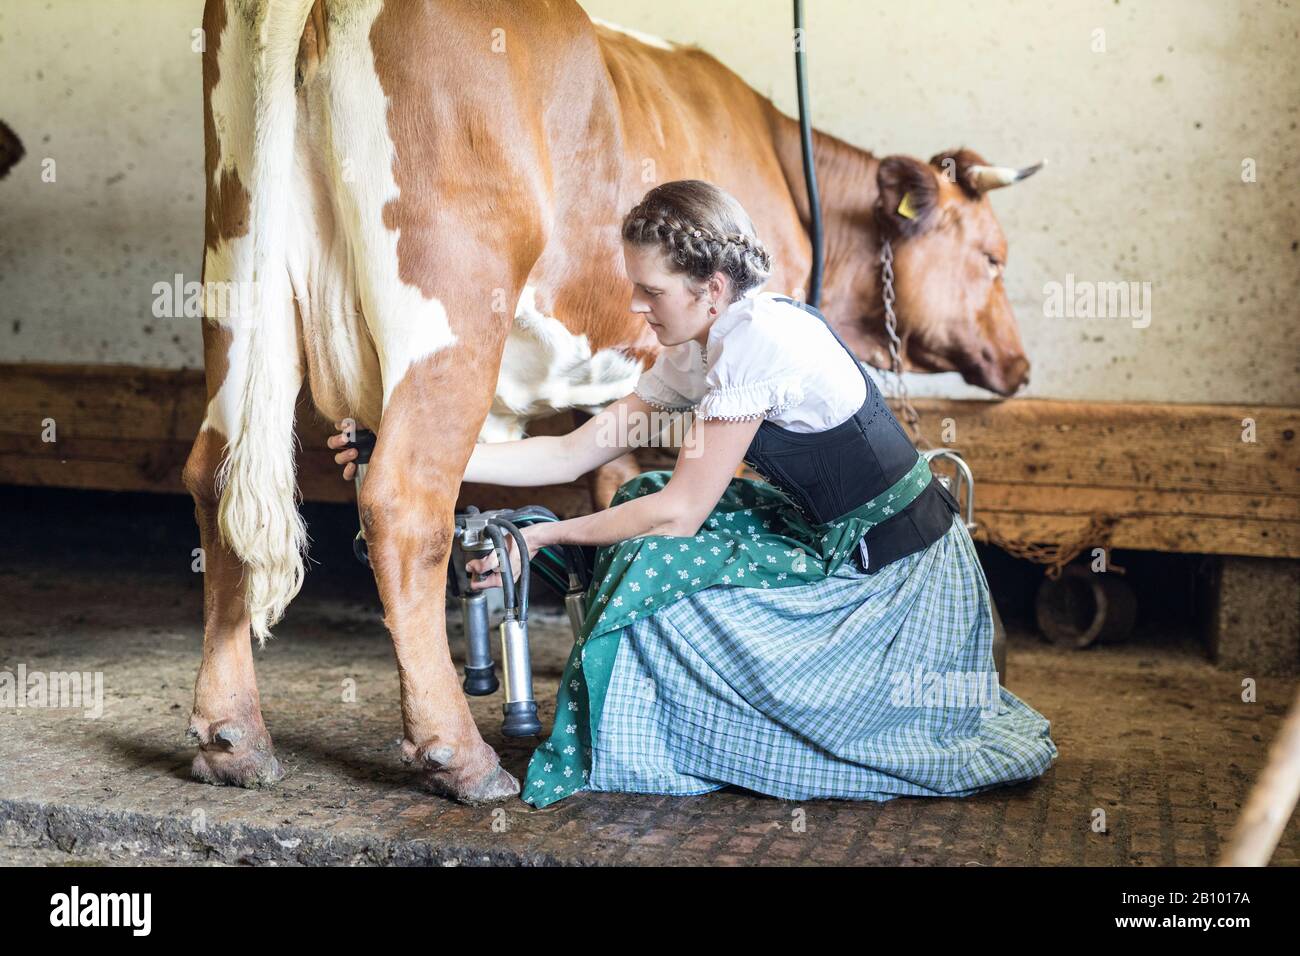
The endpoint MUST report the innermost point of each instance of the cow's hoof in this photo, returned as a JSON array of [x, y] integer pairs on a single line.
[[233, 755], [462, 784], [497, 785]]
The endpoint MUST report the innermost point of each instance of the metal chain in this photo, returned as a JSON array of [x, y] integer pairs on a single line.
[[1055, 556], [910, 416]]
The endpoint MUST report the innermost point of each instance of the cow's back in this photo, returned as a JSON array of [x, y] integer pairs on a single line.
[[696, 119]]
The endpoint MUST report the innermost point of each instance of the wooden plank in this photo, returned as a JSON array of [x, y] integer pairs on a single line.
[[1174, 477], [1187, 535], [103, 401], [1079, 500], [1124, 446], [1149, 520]]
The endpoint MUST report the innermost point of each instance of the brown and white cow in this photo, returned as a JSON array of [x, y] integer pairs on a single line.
[[425, 199]]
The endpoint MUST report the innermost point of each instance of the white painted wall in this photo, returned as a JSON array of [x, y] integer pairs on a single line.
[[112, 93], [1146, 142]]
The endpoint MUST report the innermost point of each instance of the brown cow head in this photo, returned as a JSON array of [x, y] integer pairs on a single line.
[[949, 253]]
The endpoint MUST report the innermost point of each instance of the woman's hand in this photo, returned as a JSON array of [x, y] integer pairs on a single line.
[[348, 434], [535, 536]]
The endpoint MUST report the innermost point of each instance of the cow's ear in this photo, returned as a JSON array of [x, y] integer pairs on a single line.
[[909, 196]]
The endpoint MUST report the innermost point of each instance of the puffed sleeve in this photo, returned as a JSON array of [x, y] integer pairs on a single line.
[[756, 370], [656, 388]]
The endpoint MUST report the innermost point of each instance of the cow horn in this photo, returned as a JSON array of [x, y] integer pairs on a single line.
[[985, 178]]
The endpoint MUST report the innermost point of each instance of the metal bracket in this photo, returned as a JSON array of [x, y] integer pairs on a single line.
[[963, 477]]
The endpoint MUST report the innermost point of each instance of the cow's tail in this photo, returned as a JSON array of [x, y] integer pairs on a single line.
[[258, 514]]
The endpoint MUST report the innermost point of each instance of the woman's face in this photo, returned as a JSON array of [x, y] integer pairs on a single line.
[[664, 299]]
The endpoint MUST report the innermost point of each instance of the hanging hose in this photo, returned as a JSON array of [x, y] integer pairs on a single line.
[[549, 565], [809, 171]]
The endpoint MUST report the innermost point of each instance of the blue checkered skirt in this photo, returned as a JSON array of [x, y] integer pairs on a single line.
[[860, 686]]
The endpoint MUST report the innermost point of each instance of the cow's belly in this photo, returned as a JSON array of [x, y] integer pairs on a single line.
[[545, 368]]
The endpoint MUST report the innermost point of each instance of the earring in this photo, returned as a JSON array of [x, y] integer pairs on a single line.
[[713, 309]]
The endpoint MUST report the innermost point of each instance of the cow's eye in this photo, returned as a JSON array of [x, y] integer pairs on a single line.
[[995, 264]]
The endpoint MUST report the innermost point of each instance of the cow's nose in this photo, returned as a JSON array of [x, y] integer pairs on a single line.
[[1016, 374]]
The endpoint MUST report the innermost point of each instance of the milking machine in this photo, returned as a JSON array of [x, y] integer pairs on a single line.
[[962, 484], [478, 533]]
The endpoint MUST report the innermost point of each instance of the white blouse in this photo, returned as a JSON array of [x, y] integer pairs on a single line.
[[764, 359]]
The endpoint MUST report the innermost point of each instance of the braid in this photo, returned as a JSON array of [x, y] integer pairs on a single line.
[[704, 241], [754, 248]]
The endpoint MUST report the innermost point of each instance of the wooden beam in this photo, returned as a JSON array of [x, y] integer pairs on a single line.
[[1127, 446], [1172, 477]]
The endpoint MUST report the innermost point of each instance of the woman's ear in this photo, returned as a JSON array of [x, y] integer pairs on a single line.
[[719, 289], [909, 196]]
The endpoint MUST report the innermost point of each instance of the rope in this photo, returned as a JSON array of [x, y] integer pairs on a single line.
[[1056, 556]]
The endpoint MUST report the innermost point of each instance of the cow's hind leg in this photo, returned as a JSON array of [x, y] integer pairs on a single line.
[[446, 203], [408, 501], [234, 746]]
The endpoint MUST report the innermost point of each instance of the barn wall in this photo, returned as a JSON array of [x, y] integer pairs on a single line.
[[1146, 142], [111, 92]]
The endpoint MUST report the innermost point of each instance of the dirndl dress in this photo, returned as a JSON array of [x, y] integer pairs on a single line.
[[816, 681]]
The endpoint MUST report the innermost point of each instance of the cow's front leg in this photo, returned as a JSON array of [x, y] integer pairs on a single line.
[[226, 723], [605, 481], [408, 504]]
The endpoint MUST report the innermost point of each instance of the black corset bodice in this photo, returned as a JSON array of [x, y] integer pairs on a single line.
[[829, 473]]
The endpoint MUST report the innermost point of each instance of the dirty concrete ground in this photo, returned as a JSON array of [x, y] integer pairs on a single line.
[[1150, 734]]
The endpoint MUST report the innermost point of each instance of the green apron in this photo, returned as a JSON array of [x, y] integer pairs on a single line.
[[754, 537]]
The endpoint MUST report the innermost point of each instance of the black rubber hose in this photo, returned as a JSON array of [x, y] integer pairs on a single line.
[[809, 171], [453, 573], [503, 565], [524, 561], [554, 570], [575, 562]]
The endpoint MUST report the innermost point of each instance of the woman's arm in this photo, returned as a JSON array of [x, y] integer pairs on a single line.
[[548, 459], [559, 459], [705, 466]]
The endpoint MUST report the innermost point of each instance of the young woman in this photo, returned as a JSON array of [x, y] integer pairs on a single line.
[[823, 633]]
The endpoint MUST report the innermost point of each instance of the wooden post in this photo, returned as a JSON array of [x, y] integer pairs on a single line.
[[1272, 801]]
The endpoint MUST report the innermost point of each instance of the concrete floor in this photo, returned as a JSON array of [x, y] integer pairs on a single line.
[[1148, 733]]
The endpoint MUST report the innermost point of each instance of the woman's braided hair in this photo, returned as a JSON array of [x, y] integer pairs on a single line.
[[702, 230]]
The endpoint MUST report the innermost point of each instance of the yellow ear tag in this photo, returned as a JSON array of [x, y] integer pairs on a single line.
[[905, 207]]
